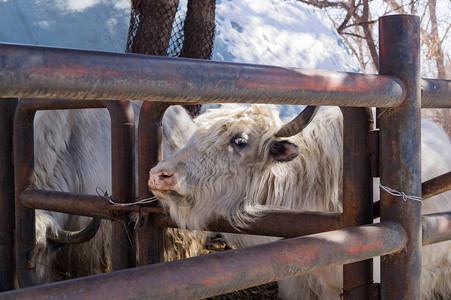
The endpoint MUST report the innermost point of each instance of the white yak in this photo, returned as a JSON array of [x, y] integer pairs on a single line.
[[235, 167], [73, 154]]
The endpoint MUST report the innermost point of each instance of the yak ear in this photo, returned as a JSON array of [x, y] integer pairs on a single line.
[[283, 151]]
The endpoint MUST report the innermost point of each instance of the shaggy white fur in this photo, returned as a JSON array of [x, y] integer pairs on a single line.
[[72, 154], [226, 170]]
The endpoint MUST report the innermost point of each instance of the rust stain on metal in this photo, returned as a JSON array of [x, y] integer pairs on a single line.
[[364, 247]]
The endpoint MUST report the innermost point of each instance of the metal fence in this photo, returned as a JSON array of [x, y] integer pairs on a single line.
[[86, 77]]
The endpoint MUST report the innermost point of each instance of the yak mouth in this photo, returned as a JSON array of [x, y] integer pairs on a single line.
[[167, 195]]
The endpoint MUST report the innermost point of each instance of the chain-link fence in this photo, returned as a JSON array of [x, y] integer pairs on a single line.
[[165, 28]]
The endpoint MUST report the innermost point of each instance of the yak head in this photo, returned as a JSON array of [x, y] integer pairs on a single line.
[[225, 158]]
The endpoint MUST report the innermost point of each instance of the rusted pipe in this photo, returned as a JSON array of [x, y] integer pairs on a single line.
[[285, 223], [122, 181], [77, 204], [273, 223], [150, 152], [436, 228], [429, 189], [25, 235], [357, 195], [42, 72], [435, 93], [399, 153], [277, 223], [71, 203], [218, 273], [7, 108], [436, 186], [75, 237]]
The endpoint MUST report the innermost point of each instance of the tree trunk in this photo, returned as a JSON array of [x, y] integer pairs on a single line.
[[369, 35], [199, 33], [441, 72], [199, 29], [151, 26]]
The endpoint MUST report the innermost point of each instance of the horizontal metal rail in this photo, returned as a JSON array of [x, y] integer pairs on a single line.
[[283, 223], [429, 189], [77, 204], [436, 227], [42, 72], [227, 271], [436, 186], [435, 93], [274, 223]]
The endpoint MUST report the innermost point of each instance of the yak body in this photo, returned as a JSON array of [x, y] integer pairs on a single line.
[[73, 154], [235, 168]]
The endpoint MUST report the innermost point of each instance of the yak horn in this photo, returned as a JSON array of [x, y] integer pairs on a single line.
[[298, 123], [75, 237]]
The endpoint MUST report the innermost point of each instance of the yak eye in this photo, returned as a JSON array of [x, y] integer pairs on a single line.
[[239, 140]]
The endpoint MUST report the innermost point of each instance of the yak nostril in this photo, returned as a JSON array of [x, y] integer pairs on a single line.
[[164, 176]]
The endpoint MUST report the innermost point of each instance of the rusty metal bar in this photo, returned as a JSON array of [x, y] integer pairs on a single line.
[[274, 223], [436, 228], [374, 152], [25, 235], [277, 223], [436, 186], [435, 93], [227, 271], [42, 72], [429, 188], [399, 44], [285, 223], [123, 181], [78, 204], [357, 195], [150, 152], [7, 108], [71, 203]]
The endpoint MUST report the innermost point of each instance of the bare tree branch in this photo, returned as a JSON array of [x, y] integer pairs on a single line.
[[364, 20], [445, 34], [355, 25], [361, 23], [349, 14], [326, 4], [354, 35], [396, 6]]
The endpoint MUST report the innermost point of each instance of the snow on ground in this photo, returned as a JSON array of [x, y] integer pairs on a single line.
[[282, 33]]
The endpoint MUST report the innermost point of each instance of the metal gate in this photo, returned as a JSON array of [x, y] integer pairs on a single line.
[[92, 79]]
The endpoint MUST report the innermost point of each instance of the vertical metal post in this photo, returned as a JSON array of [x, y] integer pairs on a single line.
[[25, 230], [399, 46], [150, 152], [123, 181], [7, 108], [357, 196]]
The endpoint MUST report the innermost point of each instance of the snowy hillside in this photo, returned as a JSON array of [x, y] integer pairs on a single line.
[[282, 33]]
